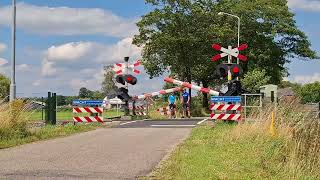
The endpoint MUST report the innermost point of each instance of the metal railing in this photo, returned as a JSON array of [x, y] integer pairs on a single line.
[[252, 105]]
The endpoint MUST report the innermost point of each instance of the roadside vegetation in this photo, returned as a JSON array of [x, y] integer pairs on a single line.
[[15, 126], [249, 151]]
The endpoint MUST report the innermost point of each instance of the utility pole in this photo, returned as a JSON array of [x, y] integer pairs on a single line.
[[13, 65], [126, 112]]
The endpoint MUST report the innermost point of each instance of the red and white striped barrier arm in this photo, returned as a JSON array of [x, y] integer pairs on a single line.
[[192, 86], [232, 117], [157, 93], [221, 107], [88, 110], [88, 119]]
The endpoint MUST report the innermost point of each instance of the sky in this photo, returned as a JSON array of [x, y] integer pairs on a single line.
[[63, 45]]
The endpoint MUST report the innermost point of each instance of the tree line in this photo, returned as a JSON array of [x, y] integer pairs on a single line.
[[179, 34]]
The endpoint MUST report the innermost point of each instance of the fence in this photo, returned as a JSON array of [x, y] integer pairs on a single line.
[[250, 103]]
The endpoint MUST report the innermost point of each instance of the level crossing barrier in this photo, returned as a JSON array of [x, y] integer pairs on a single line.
[[140, 110], [192, 86], [91, 117], [157, 93]]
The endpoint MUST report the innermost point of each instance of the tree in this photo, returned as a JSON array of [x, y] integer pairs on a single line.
[[69, 99], [108, 85], [98, 95], [85, 93], [4, 86], [254, 79], [310, 93], [179, 33], [61, 100]]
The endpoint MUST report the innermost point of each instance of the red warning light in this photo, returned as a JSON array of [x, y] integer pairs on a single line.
[[235, 69], [129, 79]]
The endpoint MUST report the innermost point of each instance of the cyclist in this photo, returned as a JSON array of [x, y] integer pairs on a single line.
[[172, 105], [185, 100]]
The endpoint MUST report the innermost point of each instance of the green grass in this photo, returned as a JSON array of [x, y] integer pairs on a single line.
[[223, 152], [47, 132], [67, 115]]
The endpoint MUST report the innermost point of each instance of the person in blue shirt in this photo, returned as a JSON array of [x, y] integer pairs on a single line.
[[185, 100], [172, 104]]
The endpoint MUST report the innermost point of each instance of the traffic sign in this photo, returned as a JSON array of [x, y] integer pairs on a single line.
[[87, 102], [233, 52], [232, 99], [120, 68]]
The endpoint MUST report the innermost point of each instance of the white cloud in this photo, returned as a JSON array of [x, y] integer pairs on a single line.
[[68, 21], [70, 51], [77, 56], [48, 68], [307, 5], [3, 61], [3, 47], [36, 83], [304, 79], [23, 67]]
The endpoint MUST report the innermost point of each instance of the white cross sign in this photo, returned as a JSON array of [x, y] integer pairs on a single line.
[[233, 52]]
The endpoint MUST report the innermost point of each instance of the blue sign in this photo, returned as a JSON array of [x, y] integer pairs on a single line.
[[87, 102], [232, 99]]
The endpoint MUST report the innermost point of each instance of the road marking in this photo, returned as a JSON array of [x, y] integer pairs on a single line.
[[202, 121], [127, 123], [167, 125]]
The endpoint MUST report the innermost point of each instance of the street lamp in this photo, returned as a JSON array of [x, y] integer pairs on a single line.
[[13, 70], [223, 13]]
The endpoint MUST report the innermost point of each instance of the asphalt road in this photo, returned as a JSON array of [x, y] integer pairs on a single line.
[[181, 123], [127, 152]]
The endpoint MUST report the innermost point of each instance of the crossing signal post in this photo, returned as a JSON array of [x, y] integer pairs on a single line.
[[124, 78], [230, 70]]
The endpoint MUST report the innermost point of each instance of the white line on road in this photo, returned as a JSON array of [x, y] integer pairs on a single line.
[[202, 121], [167, 125], [127, 123]]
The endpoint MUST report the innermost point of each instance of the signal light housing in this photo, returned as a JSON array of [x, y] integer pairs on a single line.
[[222, 70], [120, 79], [130, 79], [236, 70]]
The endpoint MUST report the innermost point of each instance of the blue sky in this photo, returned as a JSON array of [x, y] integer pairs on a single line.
[[63, 45]]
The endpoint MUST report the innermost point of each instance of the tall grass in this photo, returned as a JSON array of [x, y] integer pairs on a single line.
[[13, 120], [299, 132], [15, 128]]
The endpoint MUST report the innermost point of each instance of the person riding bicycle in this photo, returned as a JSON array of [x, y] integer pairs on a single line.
[[185, 100], [172, 105]]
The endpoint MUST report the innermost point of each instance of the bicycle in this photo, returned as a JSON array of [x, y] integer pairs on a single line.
[[172, 108]]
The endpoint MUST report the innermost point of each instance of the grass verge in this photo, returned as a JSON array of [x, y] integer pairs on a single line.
[[67, 115], [15, 129], [44, 133], [234, 152]]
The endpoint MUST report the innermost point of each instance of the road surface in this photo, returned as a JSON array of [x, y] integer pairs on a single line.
[[126, 152]]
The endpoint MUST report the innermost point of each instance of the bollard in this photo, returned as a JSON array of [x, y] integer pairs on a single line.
[[272, 128]]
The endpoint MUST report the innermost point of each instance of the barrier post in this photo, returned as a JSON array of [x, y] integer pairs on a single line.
[[47, 115], [54, 109]]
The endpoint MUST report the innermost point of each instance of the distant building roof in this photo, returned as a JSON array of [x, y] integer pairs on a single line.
[[286, 92]]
